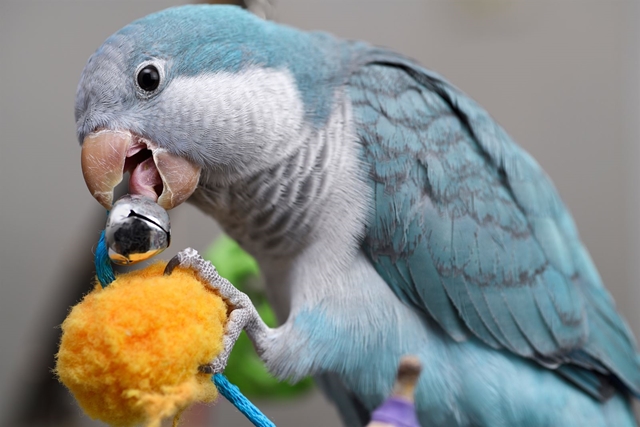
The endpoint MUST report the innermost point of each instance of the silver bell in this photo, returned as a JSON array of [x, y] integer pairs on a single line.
[[136, 230]]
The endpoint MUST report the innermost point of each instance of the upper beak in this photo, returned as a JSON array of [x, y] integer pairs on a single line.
[[104, 155]]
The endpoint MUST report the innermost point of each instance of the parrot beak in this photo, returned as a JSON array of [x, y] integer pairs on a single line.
[[162, 177]]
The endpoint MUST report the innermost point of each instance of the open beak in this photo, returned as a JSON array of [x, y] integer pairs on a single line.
[[162, 177]]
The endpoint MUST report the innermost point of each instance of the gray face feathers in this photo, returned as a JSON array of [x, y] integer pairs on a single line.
[[216, 87], [230, 85]]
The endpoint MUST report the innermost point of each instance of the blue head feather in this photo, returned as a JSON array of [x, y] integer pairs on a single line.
[[198, 39]]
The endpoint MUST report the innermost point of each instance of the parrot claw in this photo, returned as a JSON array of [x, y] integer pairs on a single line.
[[242, 314], [171, 265], [206, 369]]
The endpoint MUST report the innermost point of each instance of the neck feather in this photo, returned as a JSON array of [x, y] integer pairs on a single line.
[[314, 193]]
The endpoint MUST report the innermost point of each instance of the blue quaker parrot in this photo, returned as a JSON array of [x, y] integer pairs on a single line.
[[388, 212]]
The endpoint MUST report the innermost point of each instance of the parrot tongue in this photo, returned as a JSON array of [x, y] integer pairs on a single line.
[[145, 180]]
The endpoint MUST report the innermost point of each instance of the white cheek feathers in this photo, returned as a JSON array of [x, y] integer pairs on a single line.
[[243, 120]]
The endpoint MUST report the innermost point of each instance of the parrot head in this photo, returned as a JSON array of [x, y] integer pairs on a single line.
[[196, 93]]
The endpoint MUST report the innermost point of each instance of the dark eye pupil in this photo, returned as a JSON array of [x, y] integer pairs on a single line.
[[149, 78]]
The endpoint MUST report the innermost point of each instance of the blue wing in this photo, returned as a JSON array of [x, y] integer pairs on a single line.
[[470, 230]]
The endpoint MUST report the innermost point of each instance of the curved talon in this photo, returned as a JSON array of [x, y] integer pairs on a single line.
[[171, 265], [242, 313], [206, 369]]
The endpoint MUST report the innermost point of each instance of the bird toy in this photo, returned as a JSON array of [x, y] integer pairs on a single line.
[[137, 349]]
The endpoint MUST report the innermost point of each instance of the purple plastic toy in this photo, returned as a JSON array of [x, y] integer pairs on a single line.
[[399, 410]]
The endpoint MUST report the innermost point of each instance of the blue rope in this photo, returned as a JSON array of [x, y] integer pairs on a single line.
[[232, 394], [104, 271]]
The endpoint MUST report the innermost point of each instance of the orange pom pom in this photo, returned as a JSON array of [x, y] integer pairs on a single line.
[[130, 352]]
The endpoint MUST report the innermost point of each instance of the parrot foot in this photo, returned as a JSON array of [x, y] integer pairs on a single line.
[[242, 315]]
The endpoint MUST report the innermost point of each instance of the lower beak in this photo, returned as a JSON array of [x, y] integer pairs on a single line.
[[105, 154]]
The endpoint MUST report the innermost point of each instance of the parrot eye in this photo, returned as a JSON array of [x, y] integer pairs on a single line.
[[148, 78]]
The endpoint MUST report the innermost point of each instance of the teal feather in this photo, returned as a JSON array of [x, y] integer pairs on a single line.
[[468, 228], [237, 40]]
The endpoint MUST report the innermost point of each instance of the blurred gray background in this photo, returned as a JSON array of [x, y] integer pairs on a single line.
[[562, 76]]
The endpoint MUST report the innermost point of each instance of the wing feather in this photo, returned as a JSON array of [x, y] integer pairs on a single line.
[[468, 229]]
